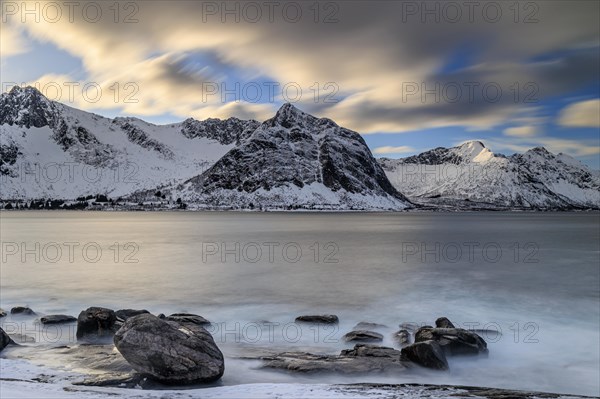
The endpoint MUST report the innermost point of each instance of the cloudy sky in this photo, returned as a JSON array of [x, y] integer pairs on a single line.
[[408, 75]]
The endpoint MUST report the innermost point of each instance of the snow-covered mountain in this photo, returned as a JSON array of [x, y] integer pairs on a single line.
[[470, 176], [51, 151], [293, 160]]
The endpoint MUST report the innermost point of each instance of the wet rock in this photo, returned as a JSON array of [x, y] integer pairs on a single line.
[[124, 314], [96, 324], [131, 380], [402, 337], [454, 341], [22, 310], [168, 351], [410, 327], [363, 325], [57, 319], [22, 338], [363, 358], [4, 340], [443, 322], [2, 312], [363, 336], [427, 354], [320, 319], [188, 318]]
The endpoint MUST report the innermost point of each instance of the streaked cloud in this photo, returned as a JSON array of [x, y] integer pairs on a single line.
[[521, 131], [393, 150], [581, 114]]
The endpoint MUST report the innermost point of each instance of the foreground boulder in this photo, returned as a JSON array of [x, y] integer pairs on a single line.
[[22, 310], [454, 341], [4, 339], [188, 318], [427, 354], [96, 324], [124, 314], [363, 336], [57, 319], [320, 319], [363, 358], [2, 313], [168, 351]]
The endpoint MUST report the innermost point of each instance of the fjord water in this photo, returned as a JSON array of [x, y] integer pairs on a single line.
[[533, 276]]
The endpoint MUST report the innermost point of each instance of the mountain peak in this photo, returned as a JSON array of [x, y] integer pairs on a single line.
[[25, 92], [474, 151]]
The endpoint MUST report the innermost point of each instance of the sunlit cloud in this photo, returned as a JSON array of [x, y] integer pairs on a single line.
[[521, 131], [393, 150], [581, 114]]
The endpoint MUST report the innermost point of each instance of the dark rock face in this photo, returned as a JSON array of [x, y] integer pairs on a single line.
[[57, 319], [228, 131], [362, 359], [95, 324], [364, 325], [402, 337], [124, 314], [22, 310], [427, 354], [170, 352], [363, 336], [4, 339], [443, 322], [454, 341], [292, 150], [321, 319], [188, 318]]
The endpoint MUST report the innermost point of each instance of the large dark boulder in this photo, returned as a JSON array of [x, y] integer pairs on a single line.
[[4, 339], [57, 319], [363, 336], [318, 319], [427, 354], [22, 310], [124, 314], [96, 324], [170, 352], [188, 318], [454, 341]]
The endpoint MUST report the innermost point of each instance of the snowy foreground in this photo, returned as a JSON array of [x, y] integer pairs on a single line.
[[21, 379]]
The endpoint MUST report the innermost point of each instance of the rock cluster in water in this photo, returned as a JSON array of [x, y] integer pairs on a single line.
[[178, 349]]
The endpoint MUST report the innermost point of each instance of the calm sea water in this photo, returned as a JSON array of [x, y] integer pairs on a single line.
[[533, 276]]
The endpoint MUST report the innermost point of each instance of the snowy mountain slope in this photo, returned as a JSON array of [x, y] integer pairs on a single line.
[[471, 176], [293, 160], [50, 150]]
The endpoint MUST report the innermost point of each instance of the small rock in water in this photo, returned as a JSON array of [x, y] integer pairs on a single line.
[[188, 318], [322, 319], [57, 319], [454, 341], [443, 322], [427, 354], [2, 313], [124, 314], [363, 336], [170, 352], [364, 325], [94, 324], [402, 337], [22, 310], [4, 339]]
